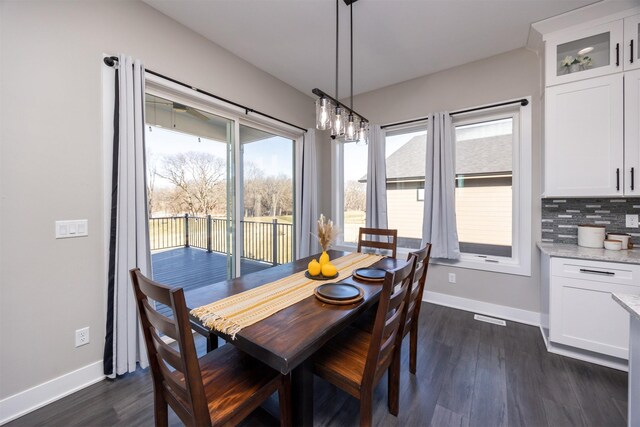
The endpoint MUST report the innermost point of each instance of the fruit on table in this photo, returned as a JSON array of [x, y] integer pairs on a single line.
[[324, 258], [329, 270], [314, 268]]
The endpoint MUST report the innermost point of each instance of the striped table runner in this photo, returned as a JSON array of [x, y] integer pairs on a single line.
[[231, 314]]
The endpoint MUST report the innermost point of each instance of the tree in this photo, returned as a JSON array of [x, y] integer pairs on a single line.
[[355, 197], [200, 181]]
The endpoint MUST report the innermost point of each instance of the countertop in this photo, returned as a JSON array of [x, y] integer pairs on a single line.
[[631, 303], [567, 250]]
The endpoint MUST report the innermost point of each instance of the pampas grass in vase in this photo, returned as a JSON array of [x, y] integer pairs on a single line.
[[327, 234]]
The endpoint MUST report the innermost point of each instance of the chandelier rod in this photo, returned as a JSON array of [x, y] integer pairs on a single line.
[[351, 37]]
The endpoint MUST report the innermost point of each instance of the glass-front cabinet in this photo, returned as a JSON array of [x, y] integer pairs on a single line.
[[631, 39], [582, 54]]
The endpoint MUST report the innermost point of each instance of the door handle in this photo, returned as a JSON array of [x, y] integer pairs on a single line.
[[617, 54], [631, 51], [618, 179], [631, 179]]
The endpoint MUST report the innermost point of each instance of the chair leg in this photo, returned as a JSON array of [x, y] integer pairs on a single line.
[[284, 397], [393, 376], [161, 410], [366, 409], [413, 347]]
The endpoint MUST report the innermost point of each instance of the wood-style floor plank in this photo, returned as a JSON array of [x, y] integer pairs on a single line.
[[468, 373]]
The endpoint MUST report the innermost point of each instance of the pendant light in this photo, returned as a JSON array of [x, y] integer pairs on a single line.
[[343, 121]]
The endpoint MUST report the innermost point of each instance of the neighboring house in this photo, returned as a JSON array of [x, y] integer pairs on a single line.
[[483, 191]]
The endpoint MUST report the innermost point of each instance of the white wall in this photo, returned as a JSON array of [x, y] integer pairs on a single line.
[[510, 75], [52, 162]]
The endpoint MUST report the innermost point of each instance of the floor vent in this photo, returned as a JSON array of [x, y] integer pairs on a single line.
[[490, 320]]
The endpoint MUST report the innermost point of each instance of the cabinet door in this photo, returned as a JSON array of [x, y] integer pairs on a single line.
[[594, 52], [631, 38], [632, 132], [584, 138], [583, 315]]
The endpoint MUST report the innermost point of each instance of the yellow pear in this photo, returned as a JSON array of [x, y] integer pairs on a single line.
[[314, 268], [324, 258], [328, 270]]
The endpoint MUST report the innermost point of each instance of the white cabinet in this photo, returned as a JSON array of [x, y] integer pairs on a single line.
[[584, 145], [632, 133], [582, 313], [631, 39], [580, 54]]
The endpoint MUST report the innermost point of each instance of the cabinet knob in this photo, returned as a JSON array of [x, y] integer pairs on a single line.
[[618, 179], [617, 54], [631, 51], [632, 173]]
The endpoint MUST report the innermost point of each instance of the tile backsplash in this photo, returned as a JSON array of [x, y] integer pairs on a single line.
[[560, 217]]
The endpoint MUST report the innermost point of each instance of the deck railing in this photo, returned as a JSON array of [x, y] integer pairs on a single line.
[[270, 242]]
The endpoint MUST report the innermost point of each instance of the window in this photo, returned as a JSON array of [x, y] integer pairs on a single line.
[[484, 192], [493, 189], [352, 190], [405, 164]]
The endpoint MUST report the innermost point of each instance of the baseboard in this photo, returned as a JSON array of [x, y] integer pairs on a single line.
[[36, 397], [486, 308]]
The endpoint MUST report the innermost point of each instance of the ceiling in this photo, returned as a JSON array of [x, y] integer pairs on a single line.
[[394, 40]]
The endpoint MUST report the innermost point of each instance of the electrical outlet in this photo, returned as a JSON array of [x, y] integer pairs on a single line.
[[82, 336], [452, 277], [632, 221]]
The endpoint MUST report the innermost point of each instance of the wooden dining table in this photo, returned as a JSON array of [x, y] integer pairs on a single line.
[[287, 339]]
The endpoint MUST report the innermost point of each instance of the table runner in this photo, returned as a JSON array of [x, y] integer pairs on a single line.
[[231, 314]]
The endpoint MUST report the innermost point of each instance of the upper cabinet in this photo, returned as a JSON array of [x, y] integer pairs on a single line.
[[586, 53], [631, 38], [632, 132]]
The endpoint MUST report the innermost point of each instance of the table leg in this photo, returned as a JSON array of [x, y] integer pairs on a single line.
[[302, 394]]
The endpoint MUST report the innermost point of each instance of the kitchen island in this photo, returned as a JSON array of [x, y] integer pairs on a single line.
[[631, 303]]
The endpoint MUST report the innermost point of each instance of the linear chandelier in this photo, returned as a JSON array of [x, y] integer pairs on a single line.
[[344, 123]]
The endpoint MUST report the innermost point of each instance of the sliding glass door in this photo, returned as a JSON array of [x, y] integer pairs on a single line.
[[189, 185], [267, 203], [221, 195]]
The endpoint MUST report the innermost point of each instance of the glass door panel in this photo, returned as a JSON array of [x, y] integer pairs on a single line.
[[267, 186], [189, 176], [584, 54]]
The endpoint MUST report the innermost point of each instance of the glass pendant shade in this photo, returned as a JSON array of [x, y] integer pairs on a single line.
[[362, 132], [351, 129], [337, 122], [323, 113]]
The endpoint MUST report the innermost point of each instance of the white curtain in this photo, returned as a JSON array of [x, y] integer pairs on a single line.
[[439, 226], [376, 180], [307, 194], [129, 240]]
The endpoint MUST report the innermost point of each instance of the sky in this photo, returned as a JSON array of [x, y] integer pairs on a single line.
[[273, 155]]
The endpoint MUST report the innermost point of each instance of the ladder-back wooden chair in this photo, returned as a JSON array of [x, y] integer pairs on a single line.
[[356, 360], [415, 302], [378, 238], [221, 388]]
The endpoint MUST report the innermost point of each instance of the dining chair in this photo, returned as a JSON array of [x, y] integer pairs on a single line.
[[415, 301], [356, 360], [378, 238], [221, 388]]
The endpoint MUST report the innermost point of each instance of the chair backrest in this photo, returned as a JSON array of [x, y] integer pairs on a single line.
[[387, 332], [419, 277], [379, 238], [182, 389]]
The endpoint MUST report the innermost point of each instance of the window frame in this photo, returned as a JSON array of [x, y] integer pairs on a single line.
[[520, 261], [167, 89]]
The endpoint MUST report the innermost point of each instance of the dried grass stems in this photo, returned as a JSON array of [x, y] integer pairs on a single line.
[[327, 232]]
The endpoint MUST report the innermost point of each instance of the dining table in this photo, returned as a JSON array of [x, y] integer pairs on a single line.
[[288, 339]]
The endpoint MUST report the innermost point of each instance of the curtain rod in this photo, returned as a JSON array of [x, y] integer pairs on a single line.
[[522, 102], [111, 60]]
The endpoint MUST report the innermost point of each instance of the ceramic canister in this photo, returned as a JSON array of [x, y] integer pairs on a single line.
[[591, 236]]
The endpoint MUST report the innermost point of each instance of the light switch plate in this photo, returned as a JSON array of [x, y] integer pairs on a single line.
[[72, 228], [632, 221]]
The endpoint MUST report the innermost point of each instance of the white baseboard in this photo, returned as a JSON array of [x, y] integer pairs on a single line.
[[486, 308], [36, 397]]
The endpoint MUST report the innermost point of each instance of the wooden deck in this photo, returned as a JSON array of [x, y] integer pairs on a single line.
[[192, 268]]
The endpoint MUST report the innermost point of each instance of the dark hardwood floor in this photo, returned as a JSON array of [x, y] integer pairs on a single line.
[[469, 374]]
